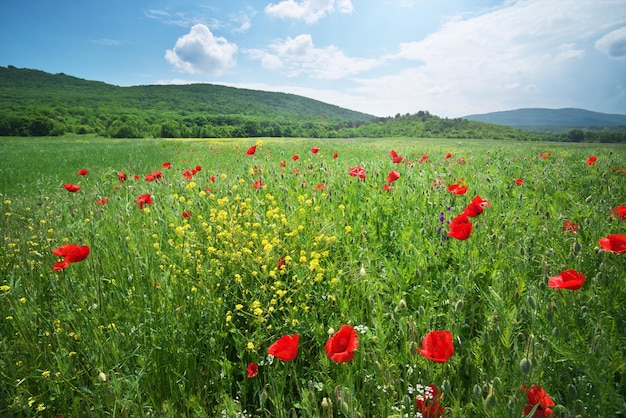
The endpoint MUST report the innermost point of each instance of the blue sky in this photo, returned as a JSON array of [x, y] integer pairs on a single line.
[[382, 57]]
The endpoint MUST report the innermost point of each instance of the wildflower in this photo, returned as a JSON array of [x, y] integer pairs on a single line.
[[448, 155], [251, 150], [340, 346], [392, 176], [257, 184], [250, 345], [424, 159], [428, 402], [476, 207], [570, 279], [519, 182], [457, 188], [102, 201], [295, 158], [121, 177], [460, 227], [537, 395], [592, 160], [72, 188], [102, 377], [5, 288], [569, 226], [335, 155], [144, 199], [285, 348], [82, 172], [167, 165], [357, 171], [437, 346], [315, 150], [620, 212], [252, 370], [186, 214], [614, 243], [71, 253]]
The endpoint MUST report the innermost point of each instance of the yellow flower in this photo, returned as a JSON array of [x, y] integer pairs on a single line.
[[45, 373], [40, 407], [238, 307], [5, 288], [22, 300], [258, 311], [348, 228], [250, 345]]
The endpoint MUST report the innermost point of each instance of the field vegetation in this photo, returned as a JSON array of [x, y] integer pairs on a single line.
[[311, 277]]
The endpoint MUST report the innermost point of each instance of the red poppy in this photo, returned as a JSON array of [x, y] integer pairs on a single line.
[[187, 174], [476, 207], [315, 150], [136, 176], [121, 177], [149, 177], [437, 346], [448, 155], [144, 199], [620, 212], [258, 184], [519, 182], [212, 178], [198, 168], [393, 153], [460, 227], [335, 155], [295, 158], [72, 188], [428, 402], [569, 226], [167, 165], [537, 395], [424, 159], [457, 189], [102, 201], [251, 150], [186, 214], [461, 160], [570, 279], [285, 348], [357, 171], [83, 172], [614, 243], [392, 176], [592, 160], [252, 369], [280, 263], [71, 253], [340, 347]]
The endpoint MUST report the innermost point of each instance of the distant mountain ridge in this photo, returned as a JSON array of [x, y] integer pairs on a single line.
[[570, 117]]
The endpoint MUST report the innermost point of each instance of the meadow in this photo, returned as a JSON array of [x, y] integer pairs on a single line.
[[205, 256]]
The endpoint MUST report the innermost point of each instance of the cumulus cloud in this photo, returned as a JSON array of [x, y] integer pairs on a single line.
[[308, 10], [299, 56], [504, 58], [613, 43], [200, 51]]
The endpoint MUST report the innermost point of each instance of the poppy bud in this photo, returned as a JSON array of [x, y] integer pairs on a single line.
[[532, 303], [458, 307], [500, 245], [326, 403], [445, 386], [555, 332], [525, 365], [478, 392], [421, 311], [401, 305], [588, 199], [576, 247], [362, 271], [345, 408], [572, 392], [263, 397], [601, 266]]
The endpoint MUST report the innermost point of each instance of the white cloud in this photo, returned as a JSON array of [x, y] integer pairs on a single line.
[[200, 51], [298, 56], [613, 43], [308, 10], [504, 58]]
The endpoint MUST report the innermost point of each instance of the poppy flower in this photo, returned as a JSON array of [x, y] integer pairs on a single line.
[[460, 227], [136, 176], [519, 182], [144, 199], [102, 201], [429, 402], [340, 347], [149, 177], [212, 178], [392, 176], [448, 155], [457, 189], [357, 171], [83, 172], [437, 346], [167, 165], [570, 279], [335, 155], [476, 207], [186, 214], [285, 348], [252, 369], [295, 158], [72, 188], [614, 243], [569, 226], [257, 184], [315, 150], [537, 395], [251, 150], [592, 160], [71, 253], [280, 263], [620, 212], [424, 159], [121, 177]]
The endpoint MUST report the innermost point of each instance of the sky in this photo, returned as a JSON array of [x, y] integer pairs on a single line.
[[382, 57]]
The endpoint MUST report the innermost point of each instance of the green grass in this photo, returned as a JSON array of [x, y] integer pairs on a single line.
[[165, 314]]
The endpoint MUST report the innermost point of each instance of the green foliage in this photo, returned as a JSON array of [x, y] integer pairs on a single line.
[[165, 314]]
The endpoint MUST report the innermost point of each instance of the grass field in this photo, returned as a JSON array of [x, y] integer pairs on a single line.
[[174, 309]]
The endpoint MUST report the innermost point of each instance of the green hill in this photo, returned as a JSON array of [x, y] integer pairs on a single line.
[[541, 118]]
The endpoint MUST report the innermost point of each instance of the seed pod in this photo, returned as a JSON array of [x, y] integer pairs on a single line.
[[478, 392], [525, 365], [459, 305]]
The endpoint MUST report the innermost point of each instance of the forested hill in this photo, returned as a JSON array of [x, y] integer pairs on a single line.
[[36, 103]]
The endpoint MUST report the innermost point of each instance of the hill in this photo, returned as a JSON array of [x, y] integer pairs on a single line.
[[541, 118]]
